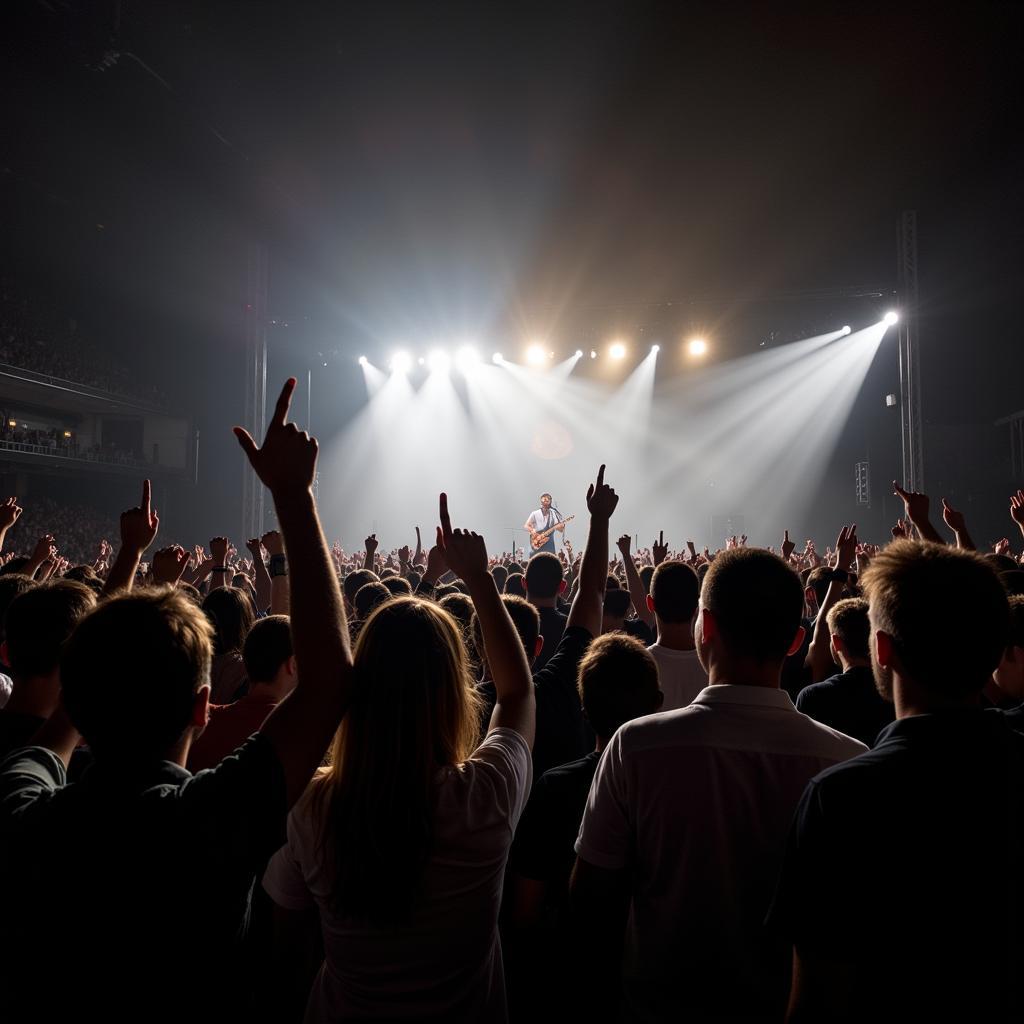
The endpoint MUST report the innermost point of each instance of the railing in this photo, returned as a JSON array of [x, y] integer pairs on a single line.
[[72, 454], [76, 387]]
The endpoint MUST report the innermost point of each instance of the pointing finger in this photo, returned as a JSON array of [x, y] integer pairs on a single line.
[[284, 401]]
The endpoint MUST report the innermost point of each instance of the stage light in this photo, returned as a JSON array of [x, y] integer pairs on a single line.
[[847, 329], [439, 361], [697, 347], [497, 358], [655, 349], [421, 360], [363, 360], [891, 317], [466, 358], [579, 353], [617, 350], [401, 362], [535, 355], [593, 354]]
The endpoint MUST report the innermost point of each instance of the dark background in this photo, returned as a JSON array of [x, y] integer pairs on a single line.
[[437, 169]]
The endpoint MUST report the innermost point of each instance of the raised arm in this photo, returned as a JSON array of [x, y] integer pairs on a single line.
[[637, 594], [10, 510], [916, 506], [301, 726], [279, 587], [371, 550], [260, 575], [1017, 510], [139, 526], [466, 555], [588, 605], [819, 656]]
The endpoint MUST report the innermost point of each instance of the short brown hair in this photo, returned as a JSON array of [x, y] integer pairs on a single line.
[[543, 575], [267, 647], [675, 591], [757, 600], [369, 597], [39, 621], [946, 611], [131, 669], [524, 617], [848, 620], [617, 681]]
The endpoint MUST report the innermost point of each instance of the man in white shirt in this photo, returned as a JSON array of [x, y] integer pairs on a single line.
[[543, 518], [675, 591], [688, 815]]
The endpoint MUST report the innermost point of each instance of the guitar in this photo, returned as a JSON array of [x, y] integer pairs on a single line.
[[539, 539]]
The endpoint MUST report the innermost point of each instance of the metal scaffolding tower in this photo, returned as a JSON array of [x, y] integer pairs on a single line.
[[255, 382], [910, 370]]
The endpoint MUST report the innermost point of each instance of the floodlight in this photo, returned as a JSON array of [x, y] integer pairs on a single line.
[[617, 351], [697, 347], [535, 355], [655, 349], [498, 358], [847, 329], [579, 353], [891, 317], [439, 361], [363, 361], [593, 354], [401, 362]]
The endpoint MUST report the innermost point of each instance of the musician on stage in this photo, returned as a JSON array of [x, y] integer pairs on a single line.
[[544, 518]]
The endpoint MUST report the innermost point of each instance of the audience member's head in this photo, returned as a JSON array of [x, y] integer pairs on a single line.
[[675, 591], [750, 608], [368, 597], [612, 582], [616, 608], [515, 584], [231, 614], [16, 564], [940, 619], [1009, 674], [354, 580], [86, 574], [646, 575], [544, 580], [398, 586], [500, 574], [525, 618], [618, 681], [816, 587], [38, 622], [1001, 563], [268, 650], [136, 674], [460, 608], [850, 630], [11, 586]]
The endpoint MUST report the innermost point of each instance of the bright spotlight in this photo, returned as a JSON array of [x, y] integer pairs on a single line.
[[593, 354], [697, 347], [438, 361], [467, 358], [497, 358], [847, 329], [891, 317], [579, 353], [363, 360], [401, 362], [617, 351], [535, 355], [655, 349]]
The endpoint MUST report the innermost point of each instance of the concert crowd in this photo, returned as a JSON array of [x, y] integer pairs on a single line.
[[269, 779]]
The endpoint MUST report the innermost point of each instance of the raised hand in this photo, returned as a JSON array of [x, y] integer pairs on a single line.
[[9, 512], [659, 549], [273, 542], [788, 546], [139, 525], [371, 543], [916, 506], [219, 549], [623, 545], [169, 563], [254, 546], [846, 546], [901, 531], [601, 499], [1001, 547], [465, 551], [953, 519], [1017, 509], [44, 549], [287, 461], [403, 555]]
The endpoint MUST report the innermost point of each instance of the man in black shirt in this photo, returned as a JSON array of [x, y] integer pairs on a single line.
[[848, 701], [901, 885], [544, 583]]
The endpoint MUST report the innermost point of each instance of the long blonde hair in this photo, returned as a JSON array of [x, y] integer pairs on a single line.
[[414, 711]]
